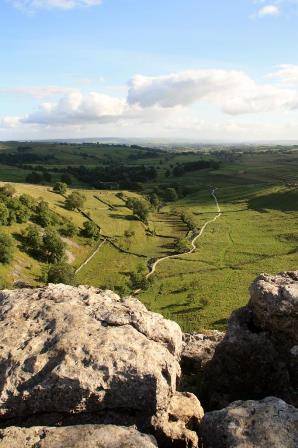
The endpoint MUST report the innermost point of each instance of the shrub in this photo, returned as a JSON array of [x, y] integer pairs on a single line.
[[61, 273], [60, 187], [4, 214], [6, 248], [90, 230], [74, 200], [69, 230]]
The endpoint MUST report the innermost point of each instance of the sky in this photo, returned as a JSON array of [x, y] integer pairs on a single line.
[[192, 69]]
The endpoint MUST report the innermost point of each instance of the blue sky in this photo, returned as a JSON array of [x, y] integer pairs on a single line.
[[149, 68]]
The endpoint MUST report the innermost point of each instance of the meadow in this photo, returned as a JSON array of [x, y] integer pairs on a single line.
[[256, 232]]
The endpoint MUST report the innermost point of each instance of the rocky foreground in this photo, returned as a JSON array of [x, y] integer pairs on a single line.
[[81, 367]]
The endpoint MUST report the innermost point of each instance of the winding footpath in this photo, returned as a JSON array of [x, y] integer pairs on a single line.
[[91, 256], [193, 242]]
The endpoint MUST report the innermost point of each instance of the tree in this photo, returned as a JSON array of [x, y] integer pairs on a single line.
[[182, 246], [170, 194], [90, 230], [27, 200], [53, 248], [61, 273], [154, 200], [69, 229], [6, 248], [139, 208], [60, 187], [4, 214], [138, 280], [74, 200], [7, 190], [32, 240], [43, 215]]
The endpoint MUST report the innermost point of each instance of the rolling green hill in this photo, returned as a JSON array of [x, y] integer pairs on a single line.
[[256, 231]]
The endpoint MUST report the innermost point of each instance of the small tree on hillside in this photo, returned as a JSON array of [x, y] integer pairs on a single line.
[[61, 273], [140, 208], [74, 200], [69, 229], [60, 187], [53, 248], [170, 194], [90, 230], [6, 248], [4, 214], [7, 190]]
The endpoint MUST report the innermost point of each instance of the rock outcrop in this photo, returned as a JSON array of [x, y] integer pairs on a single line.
[[259, 355], [88, 436], [80, 355], [198, 349], [270, 423]]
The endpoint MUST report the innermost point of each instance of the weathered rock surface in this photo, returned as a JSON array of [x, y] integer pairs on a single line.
[[179, 424], [89, 436], [198, 349], [274, 303], [258, 357], [270, 423], [74, 350]]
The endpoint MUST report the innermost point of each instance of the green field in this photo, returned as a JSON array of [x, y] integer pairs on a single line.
[[257, 231]]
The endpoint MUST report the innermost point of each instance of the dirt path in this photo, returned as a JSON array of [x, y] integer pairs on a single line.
[[91, 256], [193, 242]]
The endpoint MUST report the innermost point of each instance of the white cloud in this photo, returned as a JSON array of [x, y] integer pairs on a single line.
[[287, 73], [269, 10], [49, 4], [234, 91], [76, 108]]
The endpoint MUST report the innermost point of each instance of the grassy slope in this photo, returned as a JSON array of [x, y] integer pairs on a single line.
[[257, 232]]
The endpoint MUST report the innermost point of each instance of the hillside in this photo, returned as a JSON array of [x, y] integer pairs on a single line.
[[256, 193]]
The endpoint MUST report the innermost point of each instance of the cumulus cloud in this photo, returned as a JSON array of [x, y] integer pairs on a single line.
[[166, 99], [287, 73], [49, 4], [269, 10], [234, 91], [76, 108]]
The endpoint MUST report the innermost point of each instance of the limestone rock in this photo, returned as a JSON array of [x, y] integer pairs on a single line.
[[179, 424], [88, 436], [198, 349], [269, 423], [81, 350], [258, 356], [274, 303]]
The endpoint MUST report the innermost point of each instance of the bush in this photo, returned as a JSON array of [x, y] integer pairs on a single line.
[[139, 208], [4, 214], [170, 194], [32, 240], [7, 190], [138, 280], [53, 248], [6, 248], [182, 246], [69, 230], [90, 230], [74, 200], [60, 187], [61, 273], [43, 215]]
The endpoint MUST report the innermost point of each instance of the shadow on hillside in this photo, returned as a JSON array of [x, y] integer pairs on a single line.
[[285, 201], [125, 217]]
